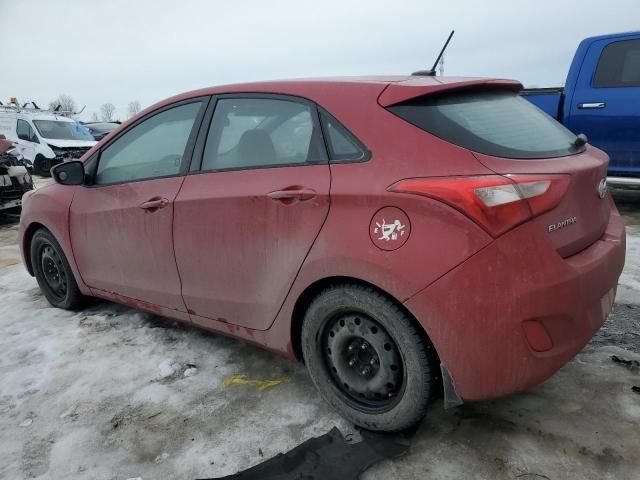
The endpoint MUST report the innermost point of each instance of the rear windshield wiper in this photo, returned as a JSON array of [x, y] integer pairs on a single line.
[[581, 139]]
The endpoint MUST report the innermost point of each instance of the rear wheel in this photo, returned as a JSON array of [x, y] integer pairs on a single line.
[[53, 272], [367, 358]]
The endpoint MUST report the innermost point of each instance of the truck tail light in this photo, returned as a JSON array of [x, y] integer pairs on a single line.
[[497, 203]]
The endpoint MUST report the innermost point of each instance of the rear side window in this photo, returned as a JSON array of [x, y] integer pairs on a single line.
[[619, 65], [498, 123], [261, 132]]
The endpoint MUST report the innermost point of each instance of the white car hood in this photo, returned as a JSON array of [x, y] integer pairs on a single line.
[[54, 142]]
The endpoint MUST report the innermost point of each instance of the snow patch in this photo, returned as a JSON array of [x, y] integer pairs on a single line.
[[167, 368], [26, 423]]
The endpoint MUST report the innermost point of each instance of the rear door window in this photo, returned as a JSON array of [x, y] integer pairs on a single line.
[[619, 65], [262, 132], [498, 123]]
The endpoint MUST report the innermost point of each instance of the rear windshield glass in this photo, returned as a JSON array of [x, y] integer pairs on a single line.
[[498, 123]]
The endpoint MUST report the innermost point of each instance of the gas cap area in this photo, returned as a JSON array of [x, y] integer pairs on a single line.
[[389, 228]]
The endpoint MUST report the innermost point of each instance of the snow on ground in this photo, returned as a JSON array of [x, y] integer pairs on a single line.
[[112, 393], [106, 396], [629, 290]]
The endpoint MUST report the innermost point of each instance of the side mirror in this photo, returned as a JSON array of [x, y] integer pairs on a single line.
[[69, 173]]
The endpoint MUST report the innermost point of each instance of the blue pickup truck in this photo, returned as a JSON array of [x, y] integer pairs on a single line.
[[601, 98]]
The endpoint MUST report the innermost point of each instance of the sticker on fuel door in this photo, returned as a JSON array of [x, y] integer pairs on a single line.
[[389, 228]]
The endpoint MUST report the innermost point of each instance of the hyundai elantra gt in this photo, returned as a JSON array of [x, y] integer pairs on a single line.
[[402, 236]]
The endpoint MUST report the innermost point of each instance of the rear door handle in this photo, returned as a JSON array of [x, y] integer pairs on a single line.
[[154, 204], [301, 194], [591, 105]]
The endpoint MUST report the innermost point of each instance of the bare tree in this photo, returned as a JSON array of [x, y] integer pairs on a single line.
[[134, 108], [66, 102], [94, 117], [106, 112]]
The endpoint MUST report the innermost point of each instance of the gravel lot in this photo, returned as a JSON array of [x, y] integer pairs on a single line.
[[112, 393]]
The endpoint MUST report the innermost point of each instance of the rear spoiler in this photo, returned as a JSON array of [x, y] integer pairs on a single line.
[[398, 92]]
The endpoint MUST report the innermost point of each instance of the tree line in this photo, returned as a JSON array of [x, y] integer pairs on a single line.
[[107, 110]]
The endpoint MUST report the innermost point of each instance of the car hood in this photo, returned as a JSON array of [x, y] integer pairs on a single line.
[[54, 142]]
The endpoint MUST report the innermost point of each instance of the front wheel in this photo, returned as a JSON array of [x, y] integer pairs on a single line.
[[42, 166], [367, 358], [53, 272]]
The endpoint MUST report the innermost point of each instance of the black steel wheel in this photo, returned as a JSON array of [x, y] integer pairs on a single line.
[[368, 358], [52, 271], [364, 361], [42, 166]]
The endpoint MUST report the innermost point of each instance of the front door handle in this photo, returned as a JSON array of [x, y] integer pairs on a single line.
[[591, 105], [154, 204], [289, 195]]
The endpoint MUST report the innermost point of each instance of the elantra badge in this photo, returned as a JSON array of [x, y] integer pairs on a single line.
[[602, 188], [564, 223]]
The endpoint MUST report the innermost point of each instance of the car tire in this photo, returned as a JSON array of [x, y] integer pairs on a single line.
[[368, 359], [42, 166], [53, 273]]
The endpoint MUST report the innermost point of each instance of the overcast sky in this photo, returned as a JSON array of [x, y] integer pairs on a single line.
[[122, 50]]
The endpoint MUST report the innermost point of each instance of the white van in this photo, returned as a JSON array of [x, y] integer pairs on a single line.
[[44, 138]]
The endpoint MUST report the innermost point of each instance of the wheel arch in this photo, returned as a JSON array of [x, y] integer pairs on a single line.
[[29, 232], [309, 293]]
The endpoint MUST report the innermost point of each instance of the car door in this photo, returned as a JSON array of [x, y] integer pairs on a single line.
[[606, 105], [27, 139], [246, 218], [121, 224]]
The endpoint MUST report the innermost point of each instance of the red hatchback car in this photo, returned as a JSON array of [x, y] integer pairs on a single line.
[[400, 235]]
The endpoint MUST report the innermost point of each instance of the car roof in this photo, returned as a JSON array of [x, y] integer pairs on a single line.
[[102, 124], [338, 93], [44, 116], [37, 116], [396, 88], [102, 127], [612, 36]]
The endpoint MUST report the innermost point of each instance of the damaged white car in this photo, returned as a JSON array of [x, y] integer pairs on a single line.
[[44, 137], [15, 179]]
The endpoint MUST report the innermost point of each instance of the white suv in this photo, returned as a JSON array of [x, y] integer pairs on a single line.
[[43, 138]]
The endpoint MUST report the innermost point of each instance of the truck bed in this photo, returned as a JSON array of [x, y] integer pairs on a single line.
[[549, 100]]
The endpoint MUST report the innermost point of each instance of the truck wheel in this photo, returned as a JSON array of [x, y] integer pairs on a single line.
[[367, 358], [42, 166], [53, 272]]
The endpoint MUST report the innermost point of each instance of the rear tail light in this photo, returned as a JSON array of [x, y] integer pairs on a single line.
[[497, 203]]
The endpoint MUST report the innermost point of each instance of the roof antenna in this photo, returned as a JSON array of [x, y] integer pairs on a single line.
[[432, 72]]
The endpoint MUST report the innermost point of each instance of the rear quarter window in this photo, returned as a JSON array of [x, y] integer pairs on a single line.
[[498, 123], [342, 145]]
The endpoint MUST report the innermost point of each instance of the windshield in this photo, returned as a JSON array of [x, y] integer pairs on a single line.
[[495, 123], [62, 130]]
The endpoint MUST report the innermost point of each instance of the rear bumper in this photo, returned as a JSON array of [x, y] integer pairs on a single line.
[[623, 181], [510, 316]]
